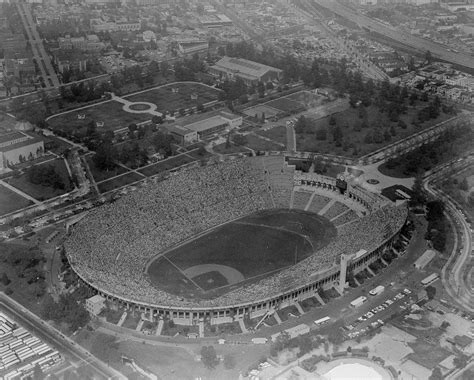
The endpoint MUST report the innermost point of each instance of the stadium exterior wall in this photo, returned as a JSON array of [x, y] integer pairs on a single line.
[[216, 315]]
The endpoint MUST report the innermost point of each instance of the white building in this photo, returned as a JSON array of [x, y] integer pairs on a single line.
[[95, 304]]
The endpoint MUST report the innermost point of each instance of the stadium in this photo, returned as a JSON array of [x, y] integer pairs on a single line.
[[230, 239]]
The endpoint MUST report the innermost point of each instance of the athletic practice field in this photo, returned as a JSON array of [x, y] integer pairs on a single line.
[[240, 252]]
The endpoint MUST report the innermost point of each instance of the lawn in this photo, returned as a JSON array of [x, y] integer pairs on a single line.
[[223, 149], [101, 175], [256, 143], [11, 201], [111, 113], [118, 182], [353, 140], [277, 134], [175, 96], [168, 164], [41, 192]]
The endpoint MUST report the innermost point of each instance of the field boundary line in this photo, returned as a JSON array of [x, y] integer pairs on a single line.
[[181, 271]]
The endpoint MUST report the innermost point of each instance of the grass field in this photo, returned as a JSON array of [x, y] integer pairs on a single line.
[[118, 182], [111, 113], [164, 165], [274, 239], [11, 201], [277, 134], [41, 192], [256, 143], [167, 100]]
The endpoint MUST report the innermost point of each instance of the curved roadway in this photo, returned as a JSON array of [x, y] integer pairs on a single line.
[[458, 268]]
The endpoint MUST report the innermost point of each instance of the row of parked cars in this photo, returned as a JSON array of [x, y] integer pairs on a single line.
[[372, 313]]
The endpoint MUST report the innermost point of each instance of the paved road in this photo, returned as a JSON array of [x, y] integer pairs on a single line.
[[42, 58], [405, 38], [454, 279], [78, 355]]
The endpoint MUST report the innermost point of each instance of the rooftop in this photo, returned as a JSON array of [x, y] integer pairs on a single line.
[[11, 136], [244, 66], [205, 124]]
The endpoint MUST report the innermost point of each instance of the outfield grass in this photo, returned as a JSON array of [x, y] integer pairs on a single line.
[[41, 192], [167, 100], [249, 245], [306, 140], [11, 201], [118, 182], [110, 112]]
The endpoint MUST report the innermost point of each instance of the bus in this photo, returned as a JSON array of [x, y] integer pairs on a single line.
[[430, 279], [402, 194], [358, 301], [322, 321]]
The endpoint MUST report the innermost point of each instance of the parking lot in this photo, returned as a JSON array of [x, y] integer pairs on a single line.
[[371, 317]]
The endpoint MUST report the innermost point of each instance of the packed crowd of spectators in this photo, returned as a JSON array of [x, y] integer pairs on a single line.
[[112, 246]]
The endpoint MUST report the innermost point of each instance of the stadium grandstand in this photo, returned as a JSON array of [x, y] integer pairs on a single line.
[[114, 249]]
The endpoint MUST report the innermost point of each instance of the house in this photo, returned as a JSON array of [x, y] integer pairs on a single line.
[[95, 304]]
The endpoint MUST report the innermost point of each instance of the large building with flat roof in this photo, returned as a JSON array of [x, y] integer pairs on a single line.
[[16, 147], [193, 131], [250, 72]]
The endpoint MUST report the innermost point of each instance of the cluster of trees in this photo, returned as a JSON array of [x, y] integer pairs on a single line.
[[430, 155], [68, 309], [187, 69], [83, 92], [46, 175], [145, 140], [27, 265], [436, 231]]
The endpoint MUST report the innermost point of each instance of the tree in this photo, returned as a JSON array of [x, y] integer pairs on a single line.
[[335, 336], [5, 280], [436, 374], [105, 156], [332, 120], [239, 139], [430, 292], [209, 357], [157, 119], [321, 134], [305, 344], [428, 56], [460, 361]]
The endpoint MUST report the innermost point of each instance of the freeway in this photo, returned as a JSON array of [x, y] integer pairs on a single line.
[[460, 262], [421, 44], [42, 58], [78, 355]]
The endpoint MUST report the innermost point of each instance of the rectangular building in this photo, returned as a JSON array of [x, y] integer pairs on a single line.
[[17, 147], [95, 304], [250, 72]]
